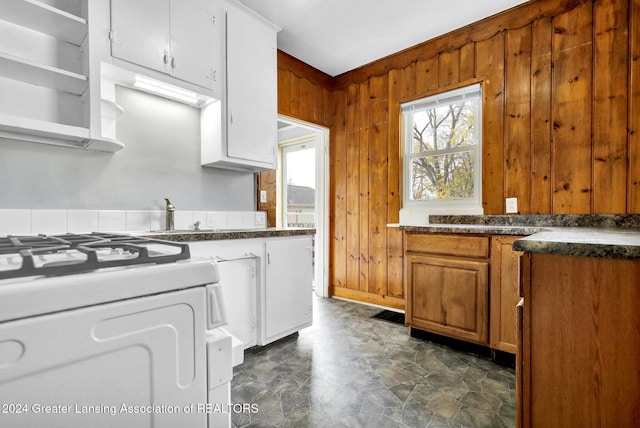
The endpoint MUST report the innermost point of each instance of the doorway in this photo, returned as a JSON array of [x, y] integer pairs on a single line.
[[302, 184]]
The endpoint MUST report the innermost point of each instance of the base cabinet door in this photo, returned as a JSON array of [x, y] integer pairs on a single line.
[[288, 288], [449, 296], [505, 274], [239, 285]]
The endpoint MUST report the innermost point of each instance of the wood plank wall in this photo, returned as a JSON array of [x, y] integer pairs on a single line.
[[304, 94], [561, 124]]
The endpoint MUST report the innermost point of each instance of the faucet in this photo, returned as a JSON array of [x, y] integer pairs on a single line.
[[169, 214]]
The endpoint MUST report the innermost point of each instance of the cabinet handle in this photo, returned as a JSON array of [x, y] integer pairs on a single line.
[[214, 75], [268, 258], [230, 117], [173, 61], [165, 58]]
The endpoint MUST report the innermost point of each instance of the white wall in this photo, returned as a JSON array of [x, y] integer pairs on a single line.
[[161, 159]]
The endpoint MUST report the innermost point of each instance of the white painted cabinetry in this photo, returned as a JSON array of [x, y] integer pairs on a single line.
[[288, 289], [239, 132], [266, 283], [240, 294], [45, 74], [181, 38]]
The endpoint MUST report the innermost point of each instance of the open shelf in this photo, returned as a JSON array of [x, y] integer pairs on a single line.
[[46, 19], [41, 131], [29, 71]]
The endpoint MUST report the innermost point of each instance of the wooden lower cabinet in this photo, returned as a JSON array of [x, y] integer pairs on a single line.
[[505, 276], [448, 294], [463, 286], [580, 341]]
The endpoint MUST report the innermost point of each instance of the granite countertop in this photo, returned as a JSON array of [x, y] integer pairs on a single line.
[[609, 236], [614, 243], [214, 235]]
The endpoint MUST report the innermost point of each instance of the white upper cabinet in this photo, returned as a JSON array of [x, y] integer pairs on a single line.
[[44, 74], [181, 38], [240, 131], [251, 87]]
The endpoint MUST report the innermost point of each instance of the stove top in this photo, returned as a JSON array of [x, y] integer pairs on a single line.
[[56, 255]]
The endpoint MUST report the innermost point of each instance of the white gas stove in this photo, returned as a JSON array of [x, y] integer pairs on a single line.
[[110, 330]]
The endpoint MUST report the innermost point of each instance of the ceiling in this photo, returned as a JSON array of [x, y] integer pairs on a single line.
[[336, 36]]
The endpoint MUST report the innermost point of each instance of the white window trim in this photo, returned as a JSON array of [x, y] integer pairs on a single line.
[[416, 212]]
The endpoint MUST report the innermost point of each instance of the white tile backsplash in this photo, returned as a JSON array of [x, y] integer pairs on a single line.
[[216, 220], [157, 220], [48, 221], [82, 221], [136, 220], [111, 221], [234, 220], [26, 221], [15, 222], [183, 220]]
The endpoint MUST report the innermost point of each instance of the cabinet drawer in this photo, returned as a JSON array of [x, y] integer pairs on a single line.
[[455, 245]]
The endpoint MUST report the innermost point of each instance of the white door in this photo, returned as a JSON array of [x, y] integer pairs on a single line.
[[288, 287], [251, 88], [196, 41], [98, 363], [297, 136], [299, 184], [141, 32]]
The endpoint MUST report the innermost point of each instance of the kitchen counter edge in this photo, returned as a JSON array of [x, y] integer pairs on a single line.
[[194, 236], [603, 242]]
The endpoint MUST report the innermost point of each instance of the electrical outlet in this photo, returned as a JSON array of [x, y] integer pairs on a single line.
[[261, 218], [511, 205], [263, 196]]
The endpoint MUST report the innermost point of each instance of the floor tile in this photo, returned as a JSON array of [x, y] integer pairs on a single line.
[[351, 370]]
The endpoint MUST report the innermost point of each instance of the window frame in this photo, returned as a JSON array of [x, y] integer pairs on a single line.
[[453, 206]]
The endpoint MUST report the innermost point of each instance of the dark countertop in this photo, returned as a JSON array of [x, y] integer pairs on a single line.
[[608, 236], [613, 243], [215, 235]]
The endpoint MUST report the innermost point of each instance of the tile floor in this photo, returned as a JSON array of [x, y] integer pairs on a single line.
[[350, 370]]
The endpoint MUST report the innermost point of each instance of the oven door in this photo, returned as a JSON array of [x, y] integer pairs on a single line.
[[134, 363]]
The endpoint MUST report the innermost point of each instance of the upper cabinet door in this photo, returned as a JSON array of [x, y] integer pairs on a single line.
[[196, 42], [251, 87], [140, 32]]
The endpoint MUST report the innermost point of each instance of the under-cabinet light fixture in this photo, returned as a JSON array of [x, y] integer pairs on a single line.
[[166, 90]]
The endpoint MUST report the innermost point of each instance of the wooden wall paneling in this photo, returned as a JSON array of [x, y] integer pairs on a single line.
[[467, 70], [611, 53], [427, 75], [517, 140], [321, 100], [394, 154], [267, 182], [449, 63], [378, 193], [307, 99], [284, 91], [491, 69], [634, 110], [572, 120], [363, 195], [478, 31], [338, 185], [353, 187], [541, 117]]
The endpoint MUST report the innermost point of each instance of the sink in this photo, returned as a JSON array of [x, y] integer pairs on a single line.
[[164, 231]]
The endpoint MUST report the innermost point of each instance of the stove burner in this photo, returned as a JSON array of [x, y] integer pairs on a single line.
[[54, 255]]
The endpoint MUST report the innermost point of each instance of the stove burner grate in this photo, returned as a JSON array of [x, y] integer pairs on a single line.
[[55, 255]]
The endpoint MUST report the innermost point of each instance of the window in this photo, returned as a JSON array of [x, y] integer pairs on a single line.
[[443, 151]]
